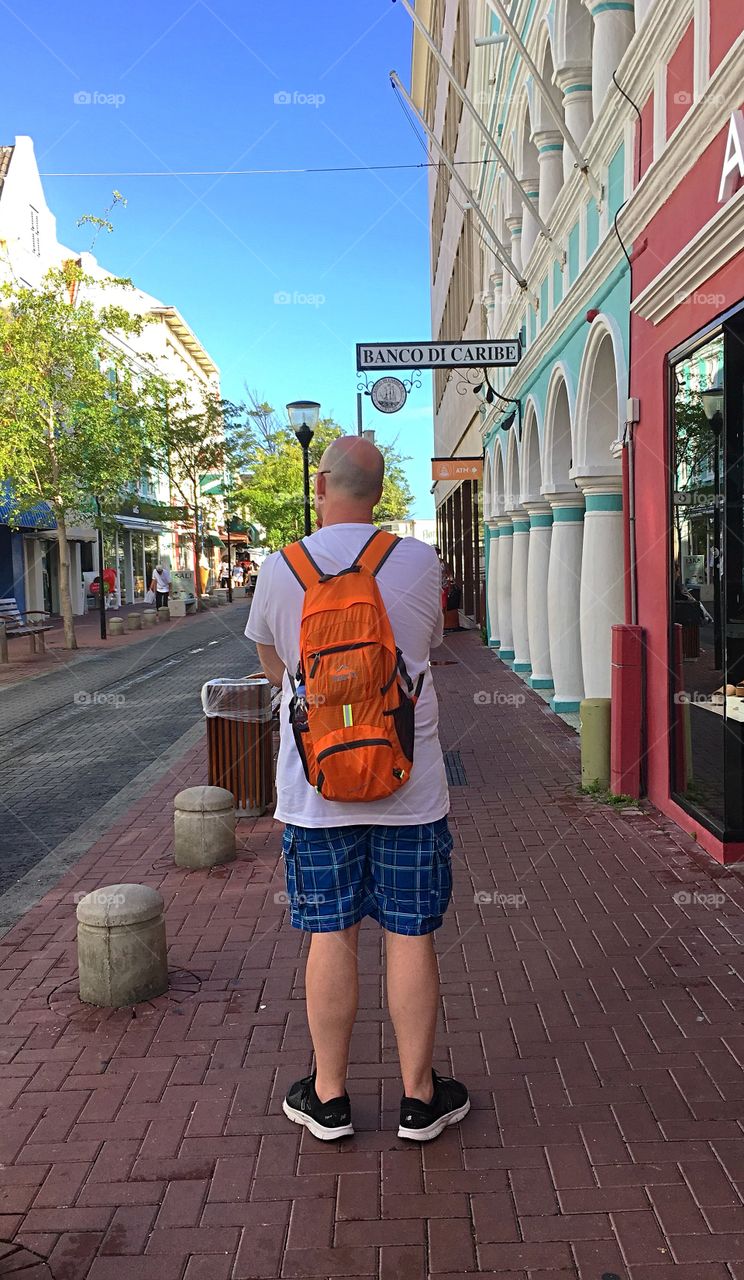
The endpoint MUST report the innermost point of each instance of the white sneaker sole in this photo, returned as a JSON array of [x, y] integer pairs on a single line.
[[317, 1130], [434, 1130]]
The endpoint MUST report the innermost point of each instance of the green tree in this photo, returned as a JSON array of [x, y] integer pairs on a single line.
[[268, 461], [188, 446], [75, 418]]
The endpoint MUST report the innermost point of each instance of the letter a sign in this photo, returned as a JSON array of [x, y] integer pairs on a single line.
[[733, 161]]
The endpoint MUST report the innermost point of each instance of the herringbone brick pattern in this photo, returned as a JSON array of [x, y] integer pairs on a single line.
[[592, 1000]]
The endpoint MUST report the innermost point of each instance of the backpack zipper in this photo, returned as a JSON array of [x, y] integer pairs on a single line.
[[337, 648], [351, 746]]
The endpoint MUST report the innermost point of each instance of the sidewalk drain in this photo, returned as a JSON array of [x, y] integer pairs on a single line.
[[17, 1260], [454, 769]]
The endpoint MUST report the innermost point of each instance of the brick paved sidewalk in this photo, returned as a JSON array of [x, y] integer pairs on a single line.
[[592, 1000]]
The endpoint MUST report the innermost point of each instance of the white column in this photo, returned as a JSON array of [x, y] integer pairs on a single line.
[[504, 581], [602, 581], [575, 83], [541, 521], [492, 588], [128, 566], [515, 232], [529, 223], [34, 574], [549, 143], [497, 291], [77, 598], [614, 26], [564, 588], [520, 555]]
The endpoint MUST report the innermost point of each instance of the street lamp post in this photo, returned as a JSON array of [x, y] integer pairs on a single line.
[[101, 593], [303, 418]]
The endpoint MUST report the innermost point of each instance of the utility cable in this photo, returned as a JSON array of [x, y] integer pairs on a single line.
[[242, 173]]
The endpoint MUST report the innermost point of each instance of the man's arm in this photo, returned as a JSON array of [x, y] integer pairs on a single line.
[[271, 663]]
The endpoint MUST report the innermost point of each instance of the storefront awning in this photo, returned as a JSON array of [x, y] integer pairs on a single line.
[[37, 517], [133, 525], [211, 540]]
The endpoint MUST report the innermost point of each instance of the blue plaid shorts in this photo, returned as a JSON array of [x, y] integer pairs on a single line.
[[400, 876]]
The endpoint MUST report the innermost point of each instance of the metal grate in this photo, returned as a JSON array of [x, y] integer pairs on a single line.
[[453, 766]]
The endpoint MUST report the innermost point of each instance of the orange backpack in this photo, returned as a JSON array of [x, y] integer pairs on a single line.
[[352, 713]]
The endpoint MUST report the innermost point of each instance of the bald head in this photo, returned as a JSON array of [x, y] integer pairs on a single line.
[[355, 469], [348, 484]]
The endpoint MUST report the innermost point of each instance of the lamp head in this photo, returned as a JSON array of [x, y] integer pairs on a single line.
[[304, 416]]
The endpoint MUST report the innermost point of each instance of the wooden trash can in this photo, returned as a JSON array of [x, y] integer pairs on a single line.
[[240, 741]]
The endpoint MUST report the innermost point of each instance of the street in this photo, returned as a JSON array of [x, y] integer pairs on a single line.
[[70, 740]]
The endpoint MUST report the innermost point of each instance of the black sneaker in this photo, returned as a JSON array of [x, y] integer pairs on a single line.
[[422, 1121], [325, 1120]]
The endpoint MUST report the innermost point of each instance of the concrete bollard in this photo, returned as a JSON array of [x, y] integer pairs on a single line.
[[204, 827], [116, 627], [595, 742], [206, 602], [134, 622], [163, 613], [149, 618], [122, 954]]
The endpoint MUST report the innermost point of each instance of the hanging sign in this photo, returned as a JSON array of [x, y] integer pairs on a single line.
[[466, 354], [457, 468], [388, 395]]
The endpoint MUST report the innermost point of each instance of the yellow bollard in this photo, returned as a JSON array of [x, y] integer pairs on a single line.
[[595, 742]]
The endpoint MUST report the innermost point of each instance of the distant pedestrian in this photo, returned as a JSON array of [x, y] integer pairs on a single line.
[[225, 574], [366, 830], [161, 585], [237, 575]]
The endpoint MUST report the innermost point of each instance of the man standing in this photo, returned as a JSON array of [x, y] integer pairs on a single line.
[[161, 585], [388, 859]]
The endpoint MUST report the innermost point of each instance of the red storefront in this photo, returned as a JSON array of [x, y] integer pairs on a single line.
[[685, 586]]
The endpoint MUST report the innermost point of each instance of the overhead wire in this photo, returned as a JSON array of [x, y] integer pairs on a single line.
[[250, 173]]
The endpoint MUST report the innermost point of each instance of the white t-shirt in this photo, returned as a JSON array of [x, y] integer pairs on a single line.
[[411, 588], [162, 579]]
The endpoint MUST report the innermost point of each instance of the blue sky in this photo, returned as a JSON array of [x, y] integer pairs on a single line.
[[191, 85]]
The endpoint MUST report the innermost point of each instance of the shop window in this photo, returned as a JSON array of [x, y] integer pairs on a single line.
[[616, 182], [573, 253], [592, 228], [557, 284], [544, 303], [707, 580]]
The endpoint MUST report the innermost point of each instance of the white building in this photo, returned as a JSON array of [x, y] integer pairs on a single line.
[[136, 538]]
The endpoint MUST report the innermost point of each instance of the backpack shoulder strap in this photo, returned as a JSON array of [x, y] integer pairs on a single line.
[[376, 550], [297, 557]]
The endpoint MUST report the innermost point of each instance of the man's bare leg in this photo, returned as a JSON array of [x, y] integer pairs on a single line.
[[332, 994], [413, 1001]]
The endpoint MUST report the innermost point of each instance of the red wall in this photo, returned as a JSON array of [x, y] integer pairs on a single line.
[[726, 23], [688, 208], [679, 84], [646, 131]]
